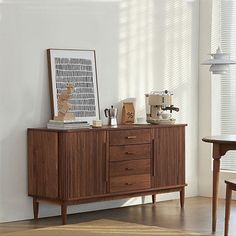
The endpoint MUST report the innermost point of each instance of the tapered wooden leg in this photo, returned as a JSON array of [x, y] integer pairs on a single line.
[[227, 208], [35, 208], [154, 199], [216, 173], [64, 213], [182, 197]]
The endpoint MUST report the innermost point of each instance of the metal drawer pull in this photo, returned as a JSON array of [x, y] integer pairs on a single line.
[[131, 137], [129, 184], [127, 168], [129, 153]]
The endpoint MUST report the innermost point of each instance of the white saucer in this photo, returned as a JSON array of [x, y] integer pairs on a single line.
[[162, 121]]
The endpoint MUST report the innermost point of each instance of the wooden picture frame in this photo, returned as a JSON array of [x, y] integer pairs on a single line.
[[77, 67]]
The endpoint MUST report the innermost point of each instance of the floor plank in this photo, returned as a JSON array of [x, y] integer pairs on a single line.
[[195, 217]]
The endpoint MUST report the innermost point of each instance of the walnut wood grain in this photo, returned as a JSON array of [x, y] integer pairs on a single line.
[[107, 162], [82, 159], [221, 144], [169, 156], [228, 198], [125, 137], [230, 186], [182, 197], [64, 213], [128, 152], [132, 182], [69, 167], [154, 199], [118, 195], [153, 160], [43, 164], [35, 208], [131, 167], [221, 139]]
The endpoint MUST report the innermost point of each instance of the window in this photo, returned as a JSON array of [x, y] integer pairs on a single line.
[[227, 92]]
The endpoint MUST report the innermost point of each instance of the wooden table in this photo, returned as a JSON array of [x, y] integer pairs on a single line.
[[221, 144]]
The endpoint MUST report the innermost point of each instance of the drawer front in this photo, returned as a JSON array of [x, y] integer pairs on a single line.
[[133, 167], [121, 153], [129, 183], [123, 137]]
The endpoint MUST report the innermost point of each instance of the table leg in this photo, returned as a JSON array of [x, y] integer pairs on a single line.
[[64, 213], [227, 208], [182, 196], [153, 199], [216, 174], [35, 208]]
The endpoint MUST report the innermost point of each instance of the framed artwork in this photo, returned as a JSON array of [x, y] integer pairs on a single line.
[[76, 67]]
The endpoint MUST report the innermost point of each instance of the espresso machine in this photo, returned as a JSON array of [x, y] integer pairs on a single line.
[[159, 107]]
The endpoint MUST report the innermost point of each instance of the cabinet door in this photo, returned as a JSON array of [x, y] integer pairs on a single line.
[[43, 163], [169, 156], [82, 166]]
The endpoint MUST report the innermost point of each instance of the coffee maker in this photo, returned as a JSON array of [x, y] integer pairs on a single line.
[[159, 107], [112, 115]]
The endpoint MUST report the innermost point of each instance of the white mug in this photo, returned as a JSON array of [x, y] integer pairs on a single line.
[[141, 120]]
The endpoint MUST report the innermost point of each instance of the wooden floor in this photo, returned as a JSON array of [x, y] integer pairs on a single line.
[[195, 217]]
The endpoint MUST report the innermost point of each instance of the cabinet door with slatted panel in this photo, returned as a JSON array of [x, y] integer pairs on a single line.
[[169, 156], [82, 164], [43, 164]]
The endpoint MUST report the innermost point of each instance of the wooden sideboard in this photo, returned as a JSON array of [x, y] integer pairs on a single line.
[[70, 167]]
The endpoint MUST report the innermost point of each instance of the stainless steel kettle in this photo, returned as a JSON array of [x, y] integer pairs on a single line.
[[112, 115]]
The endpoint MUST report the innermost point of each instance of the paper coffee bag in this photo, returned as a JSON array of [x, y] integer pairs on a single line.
[[128, 113]]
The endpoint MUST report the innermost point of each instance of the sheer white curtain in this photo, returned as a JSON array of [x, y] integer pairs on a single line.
[[226, 108]]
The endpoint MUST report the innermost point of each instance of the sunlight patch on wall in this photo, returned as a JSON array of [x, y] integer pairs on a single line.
[[135, 49], [156, 48]]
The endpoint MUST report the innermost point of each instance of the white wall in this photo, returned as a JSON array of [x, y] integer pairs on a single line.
[[140, 46]]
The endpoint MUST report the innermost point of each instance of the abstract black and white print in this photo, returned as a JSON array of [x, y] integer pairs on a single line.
[[78, 70]]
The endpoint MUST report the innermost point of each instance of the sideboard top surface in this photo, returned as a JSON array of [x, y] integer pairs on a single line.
[[105, 127]]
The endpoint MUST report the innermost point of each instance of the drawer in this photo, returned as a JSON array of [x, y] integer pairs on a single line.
[[123, 137], [133, 167], [129, 152], [129, 183]]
